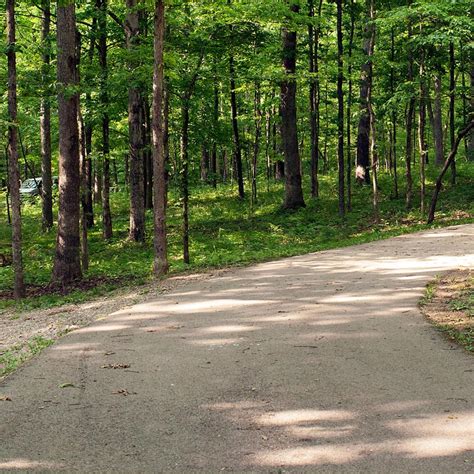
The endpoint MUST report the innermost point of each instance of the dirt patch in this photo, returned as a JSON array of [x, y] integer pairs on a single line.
[[57, 288], [449, 304]]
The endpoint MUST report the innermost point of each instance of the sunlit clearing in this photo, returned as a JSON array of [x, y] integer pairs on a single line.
[[215, 342]]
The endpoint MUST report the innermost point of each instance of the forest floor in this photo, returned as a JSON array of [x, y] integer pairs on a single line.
[[321, 361]]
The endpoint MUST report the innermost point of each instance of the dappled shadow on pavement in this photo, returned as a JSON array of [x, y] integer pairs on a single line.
[[318, 361]]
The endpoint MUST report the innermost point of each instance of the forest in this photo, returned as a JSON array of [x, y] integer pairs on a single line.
[[174, 135]]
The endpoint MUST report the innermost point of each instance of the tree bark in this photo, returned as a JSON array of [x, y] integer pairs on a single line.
[[314, 95], [12, 153], [136, 176], [340, 112], [349, 109], [289, 132], [160, 263], [67, 266], [235, 130], [101, 6], [409, 127], [437, 121], [363, 145], [45, 119], [421, 136], [452, 110]]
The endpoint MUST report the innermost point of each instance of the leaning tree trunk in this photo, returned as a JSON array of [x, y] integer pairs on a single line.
[[289, 132], [12, 153], [136, 177], [160, 262], [363, 145], [45, 120], [67, 266], [101, 6], [452, 155]]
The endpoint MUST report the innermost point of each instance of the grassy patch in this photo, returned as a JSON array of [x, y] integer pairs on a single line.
[[12, 358], [225, 231], [448, 304]]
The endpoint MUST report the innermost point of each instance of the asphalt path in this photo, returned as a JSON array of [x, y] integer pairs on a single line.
[[317, 363]]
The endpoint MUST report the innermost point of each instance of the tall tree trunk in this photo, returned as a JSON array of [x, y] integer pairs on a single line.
[[12, 153], [363, 145], [235, 130], [289, 133], [67, 266], [314, 95], [83, 186], [452, 112], [349, 108], [45, 119], [437, 122], [410, 115], [137, 188], [185, 177], [393, 134], [215, 117], [89, 177], [340, 111], [160, 263], [101, 6], [421, 135], [256, 143]]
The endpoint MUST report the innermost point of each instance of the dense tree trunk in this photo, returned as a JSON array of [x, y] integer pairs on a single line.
[[185, 177], [136, 176], [349, 108], [160, 263], [452, 112], [67, 266], [422, 135], [437, 121], [12, 153], [393, 132], [363, 142], [314, 95], [101, 6], [410, 115], [289, 133], [235, 130], [340, 111], [45, 119], [83, 186], [215, 118], [256, 143]]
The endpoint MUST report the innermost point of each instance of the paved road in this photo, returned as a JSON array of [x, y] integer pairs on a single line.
[[318, 363]]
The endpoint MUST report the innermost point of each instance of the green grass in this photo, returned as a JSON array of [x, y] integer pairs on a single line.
[[464, 337], [11, 359], [225, 231]]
